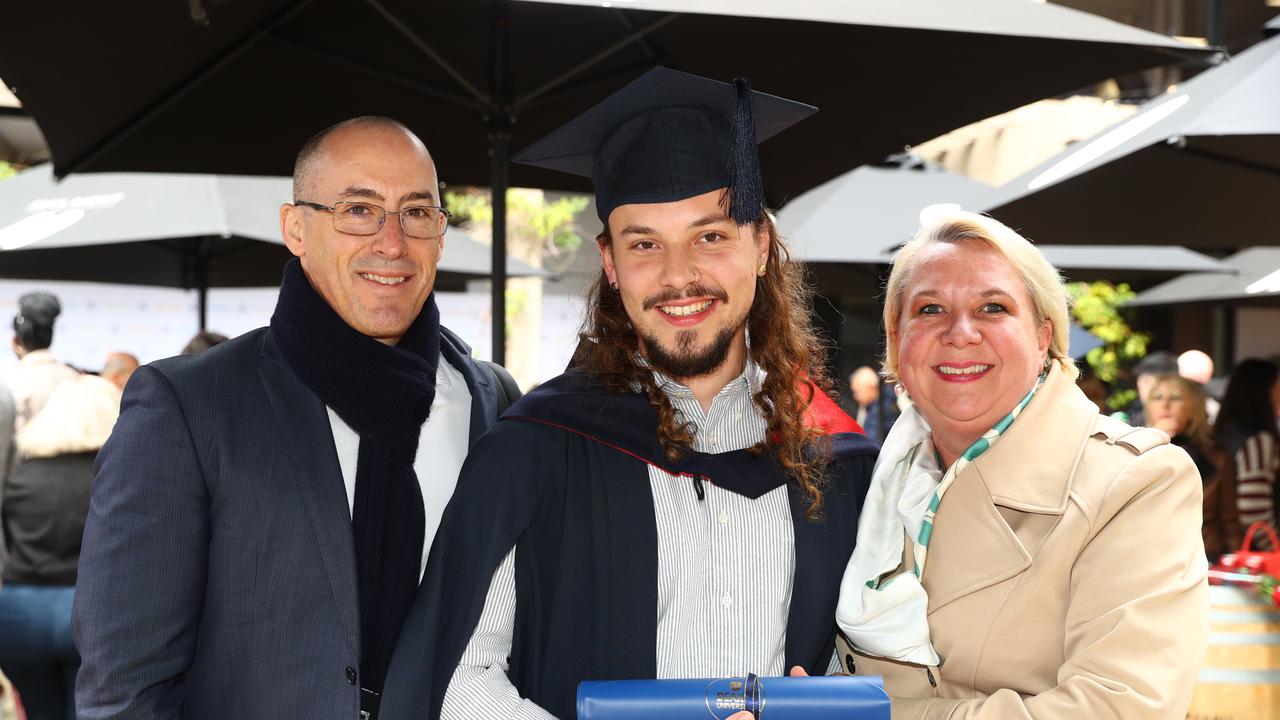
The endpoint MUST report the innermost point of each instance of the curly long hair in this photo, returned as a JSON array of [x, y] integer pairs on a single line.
[[793, 358]]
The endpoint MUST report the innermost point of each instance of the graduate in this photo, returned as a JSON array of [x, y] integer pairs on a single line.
[[683, 501]]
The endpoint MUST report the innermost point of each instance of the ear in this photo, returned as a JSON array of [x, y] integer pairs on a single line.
[[291, 228], [1044, 337], [762, 244], [606, 260]]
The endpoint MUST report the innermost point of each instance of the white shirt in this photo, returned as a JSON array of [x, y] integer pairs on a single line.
[[725, 570], [442, 446]]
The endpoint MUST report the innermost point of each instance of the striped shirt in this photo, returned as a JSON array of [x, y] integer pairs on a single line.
[[725, 569], [1257, 464]]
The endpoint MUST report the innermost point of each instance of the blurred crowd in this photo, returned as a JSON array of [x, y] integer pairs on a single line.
[[53, 420]]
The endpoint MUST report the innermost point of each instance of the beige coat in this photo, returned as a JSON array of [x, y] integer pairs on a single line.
[[1066, 576]]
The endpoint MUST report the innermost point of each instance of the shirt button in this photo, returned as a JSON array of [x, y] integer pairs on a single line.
[[724, 518], [351, 675], [727, 601]]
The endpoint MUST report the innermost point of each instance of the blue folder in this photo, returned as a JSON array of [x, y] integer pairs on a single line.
[[860, 697]]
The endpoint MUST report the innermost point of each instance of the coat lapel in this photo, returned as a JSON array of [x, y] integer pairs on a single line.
[[973, 547], [304, 425]]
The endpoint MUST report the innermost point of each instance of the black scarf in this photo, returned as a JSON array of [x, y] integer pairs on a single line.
[[384, 393]]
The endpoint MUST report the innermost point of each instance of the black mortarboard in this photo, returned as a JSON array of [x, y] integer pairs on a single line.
[[668, 136]]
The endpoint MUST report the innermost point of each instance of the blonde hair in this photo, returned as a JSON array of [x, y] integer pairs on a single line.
[[1042, 280], [1193, 399], [77, 418]]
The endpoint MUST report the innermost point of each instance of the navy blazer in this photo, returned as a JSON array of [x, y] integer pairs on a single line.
[[218, 573]]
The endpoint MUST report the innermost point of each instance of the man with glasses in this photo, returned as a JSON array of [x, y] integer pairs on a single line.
[[262, 514]]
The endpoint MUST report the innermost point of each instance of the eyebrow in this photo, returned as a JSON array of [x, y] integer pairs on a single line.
[[700, 222], [372, 194], [709, 220], [990, 292]]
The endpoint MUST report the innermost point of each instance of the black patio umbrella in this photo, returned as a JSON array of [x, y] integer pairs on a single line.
[[233, 86], [187, 231], [863, 216], [1198, 167]]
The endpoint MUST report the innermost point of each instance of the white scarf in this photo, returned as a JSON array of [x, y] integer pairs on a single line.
[[891, 621]]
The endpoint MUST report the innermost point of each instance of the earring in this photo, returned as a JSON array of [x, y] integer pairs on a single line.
[[761, 270]]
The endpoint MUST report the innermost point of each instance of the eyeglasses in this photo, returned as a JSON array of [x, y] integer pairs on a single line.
[[357, 218]]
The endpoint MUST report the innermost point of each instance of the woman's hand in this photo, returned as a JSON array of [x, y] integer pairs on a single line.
[[796, 671]]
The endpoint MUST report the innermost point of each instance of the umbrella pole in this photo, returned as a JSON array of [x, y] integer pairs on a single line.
[[499, 154]]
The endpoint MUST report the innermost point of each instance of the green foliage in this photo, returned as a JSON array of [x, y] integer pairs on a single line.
[[7, 171], [1096, 308], [548, 224]]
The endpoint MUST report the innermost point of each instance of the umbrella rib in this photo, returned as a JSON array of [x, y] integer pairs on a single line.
[[401, 79], [181, 89], [429, 51], [594, 60]]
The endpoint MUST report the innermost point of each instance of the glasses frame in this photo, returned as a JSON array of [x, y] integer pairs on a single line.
[[382, 219]]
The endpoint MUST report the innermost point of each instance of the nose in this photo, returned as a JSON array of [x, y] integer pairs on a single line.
[[961, 332], [678, 268], [390, 241]]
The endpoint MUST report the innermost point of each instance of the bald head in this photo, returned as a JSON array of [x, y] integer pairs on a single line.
[[118, 367], [865, 385], [314, 151], [1196, 366]]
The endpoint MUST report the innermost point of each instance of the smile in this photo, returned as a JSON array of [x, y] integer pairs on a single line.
[[966, 370], [382, 279], [685, 310]]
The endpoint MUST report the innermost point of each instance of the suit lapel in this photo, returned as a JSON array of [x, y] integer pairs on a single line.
[[484, 402], [304, 425]]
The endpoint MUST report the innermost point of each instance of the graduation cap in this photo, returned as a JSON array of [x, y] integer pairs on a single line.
[[668, 136]]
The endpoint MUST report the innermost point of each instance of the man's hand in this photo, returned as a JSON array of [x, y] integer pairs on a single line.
[[796, 671]]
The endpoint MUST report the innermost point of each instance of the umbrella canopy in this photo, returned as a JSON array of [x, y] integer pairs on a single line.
[[236, 87], [190, 231], [1081, 341], [1257, 282], [864, 215], [1195, 167]]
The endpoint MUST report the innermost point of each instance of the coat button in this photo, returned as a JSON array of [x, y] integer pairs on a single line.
[[849, 664], [351, 675]]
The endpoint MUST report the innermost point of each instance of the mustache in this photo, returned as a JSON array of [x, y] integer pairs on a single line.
[[691, 291]]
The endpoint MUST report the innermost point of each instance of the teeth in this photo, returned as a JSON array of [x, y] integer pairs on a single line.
[[383, 279], [683, 310], [970, 370]]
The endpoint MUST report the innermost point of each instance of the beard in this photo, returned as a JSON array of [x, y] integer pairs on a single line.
[[686, 361]]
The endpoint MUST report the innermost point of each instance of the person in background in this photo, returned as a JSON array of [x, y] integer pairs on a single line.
[[1145, 373], [38, 372], [118, 368], [1019, 554], [66, 417], [202, 341], [1197, 366], [876, 406], [1176, 405], [1246, 431]]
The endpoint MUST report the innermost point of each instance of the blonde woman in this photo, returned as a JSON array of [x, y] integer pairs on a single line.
[[1019, 555]]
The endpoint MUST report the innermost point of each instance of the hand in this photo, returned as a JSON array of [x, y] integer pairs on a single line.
[[796, 671]]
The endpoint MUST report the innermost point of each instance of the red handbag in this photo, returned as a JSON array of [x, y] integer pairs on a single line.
[[1248, 561]]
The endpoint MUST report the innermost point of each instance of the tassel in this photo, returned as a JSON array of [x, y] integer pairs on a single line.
[[746, 192]]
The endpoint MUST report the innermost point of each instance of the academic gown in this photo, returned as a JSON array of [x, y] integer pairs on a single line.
[[564, 478]]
